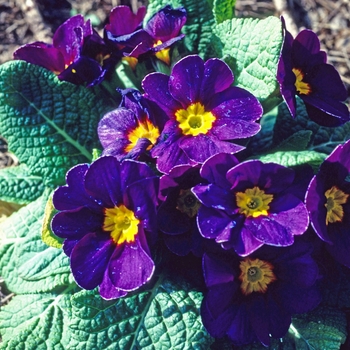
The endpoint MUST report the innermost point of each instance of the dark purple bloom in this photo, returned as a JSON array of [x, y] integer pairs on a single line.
[[107, 216], [204, 111], [250, 204], [133, 128], [253, 298], [303, 71], [65, 55], [178, 212], [328, 203]]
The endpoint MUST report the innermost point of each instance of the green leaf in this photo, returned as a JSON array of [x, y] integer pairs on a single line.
[[296, 142], [251, 47], [223, 10], [165, 317], [198, 27], [322, 328], [294, 158], [18, 186], [323, 139], [36, 321], [27, 264], [50, 125]]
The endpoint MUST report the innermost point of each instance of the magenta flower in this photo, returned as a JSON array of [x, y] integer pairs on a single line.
[[248, 205], [132, 129], [65, 56], [107, 216], [254, 298], [303, 72], [205, 112], [328, 203]]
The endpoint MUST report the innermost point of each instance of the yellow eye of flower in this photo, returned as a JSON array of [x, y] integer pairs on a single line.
[[121, 223], [335, 198], [163, 55], [255, 275], [143, 130], [253, 202], [302, 87], [194, 120], [187, 203]]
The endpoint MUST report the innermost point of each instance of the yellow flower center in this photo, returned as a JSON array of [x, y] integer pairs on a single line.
[[253, 202], [194, 120], [164, 54], [132, 61], [302, 87], [335, 198], [121, 223], [144, 130], [255, 275], [187, 203]]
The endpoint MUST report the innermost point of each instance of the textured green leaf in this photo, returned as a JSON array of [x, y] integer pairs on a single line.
[[251, 47], [18, 186], [294, 158], [296, 142], [323, 139], [165, 317], [323, 328], [27, 264], [223, 10], [36, 321], [198, 27], [50, 125]]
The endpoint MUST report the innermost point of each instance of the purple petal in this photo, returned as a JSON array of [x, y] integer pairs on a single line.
[[186, 80], [156, 88], [89, 259], [338, 116], [130, 267], [102, 181], [216, 271], [166, 23], [76, 224], [217, 77], [107, 289]]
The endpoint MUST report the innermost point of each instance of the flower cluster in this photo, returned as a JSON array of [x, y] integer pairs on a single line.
[[173, 170]]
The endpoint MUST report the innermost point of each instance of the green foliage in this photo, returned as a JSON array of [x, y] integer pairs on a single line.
[[49, 124], [251, 48], [322, 139], [26, 263], [18, 186], [223, 10]]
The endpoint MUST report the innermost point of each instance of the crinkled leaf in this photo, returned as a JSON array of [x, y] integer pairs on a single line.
[[323, 139], [322, 328], [294, 158], [223, 10], [251, 47], [296, 142], [49, 124], [164, 317], [36, 321], [198, 27], [18, 186], [27, 264]]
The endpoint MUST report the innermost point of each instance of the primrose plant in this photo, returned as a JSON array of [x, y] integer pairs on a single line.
[[183, 183]]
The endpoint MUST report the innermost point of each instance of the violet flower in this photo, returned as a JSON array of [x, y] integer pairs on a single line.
[[328, 203], [204, 111], [107, 216], [132, 129], [178, 212], [64, 56], [248, 205], [253, 298], [303, 71]]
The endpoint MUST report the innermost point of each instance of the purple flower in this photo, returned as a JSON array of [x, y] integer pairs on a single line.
[[303, 71], [204, 111], [328, 203], [254, 298], [132, 129], [178, 212], [107, 217], [250, 204], [64, 56]]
